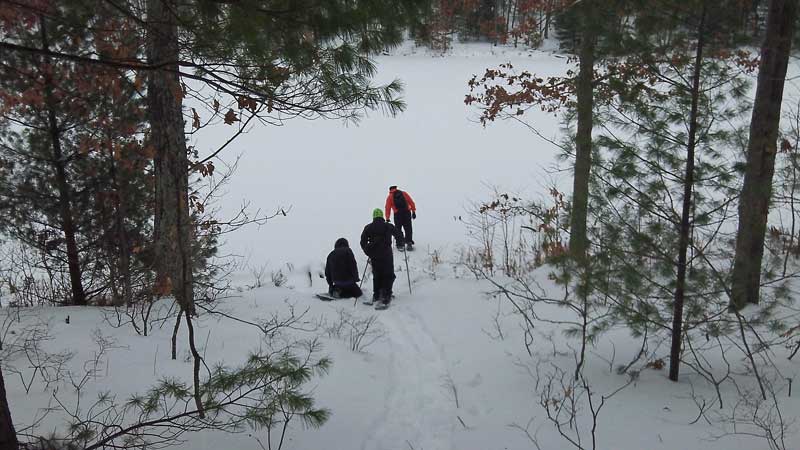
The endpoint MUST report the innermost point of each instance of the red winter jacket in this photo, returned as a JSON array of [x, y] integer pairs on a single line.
[[390, 203]]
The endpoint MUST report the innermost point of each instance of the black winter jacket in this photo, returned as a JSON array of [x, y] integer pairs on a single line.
[[376, 239], [341, 267]]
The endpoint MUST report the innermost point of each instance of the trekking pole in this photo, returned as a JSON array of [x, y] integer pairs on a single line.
[[355, 300], [363, 274], [408, 274]]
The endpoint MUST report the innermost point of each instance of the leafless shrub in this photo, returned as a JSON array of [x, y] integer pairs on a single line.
[[434, 261], [28, 346], [278, 278], [12, 318], [28, 278], [359, 332], [143, 314], [450, 385], [277, 324], [259, 276], [564, 400], [497, 329], [263, 394]]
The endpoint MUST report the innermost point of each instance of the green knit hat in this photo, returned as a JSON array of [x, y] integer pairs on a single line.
[[377, 212]]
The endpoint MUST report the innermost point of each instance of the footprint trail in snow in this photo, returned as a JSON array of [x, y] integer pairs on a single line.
[[417, 411]]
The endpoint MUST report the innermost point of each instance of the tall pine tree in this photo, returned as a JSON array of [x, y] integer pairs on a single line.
[[761, 150]]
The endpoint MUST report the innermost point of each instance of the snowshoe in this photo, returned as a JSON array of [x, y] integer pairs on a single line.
[[380, 306], [325, 297]]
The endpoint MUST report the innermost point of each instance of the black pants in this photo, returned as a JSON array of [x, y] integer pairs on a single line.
[[382, 278], [402, 219], [347, 290]]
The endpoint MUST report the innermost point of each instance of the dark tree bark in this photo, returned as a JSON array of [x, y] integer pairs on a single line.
[[117, 242], [548, 17], [62, 184], [686, 210], [8, 436], [124, 261], [173, 232], [165, 114], [761, 150], [578, 240]]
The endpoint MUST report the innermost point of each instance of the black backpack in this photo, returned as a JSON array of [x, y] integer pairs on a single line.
[[400, 200], [378, 240]]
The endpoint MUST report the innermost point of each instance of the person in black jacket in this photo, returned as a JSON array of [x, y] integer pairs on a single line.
[[376, 241], [341, 271]]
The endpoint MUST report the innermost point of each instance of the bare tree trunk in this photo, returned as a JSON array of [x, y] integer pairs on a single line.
[[124, 246], [198, 399], [578, 240], [548, 17], [755, 19], [175, 335], [8, 437], [165, 98], [62, 184], [686, 211], [514, 21], [761, 150], [123, 258]]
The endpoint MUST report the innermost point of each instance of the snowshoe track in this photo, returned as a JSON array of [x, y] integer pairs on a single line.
[[417, 412]]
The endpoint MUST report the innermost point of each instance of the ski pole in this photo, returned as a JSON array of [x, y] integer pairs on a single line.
[[355, 300], [408, 274], [363, 274]]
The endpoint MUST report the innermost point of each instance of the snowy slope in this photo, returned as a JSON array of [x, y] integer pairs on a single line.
[[438, 344]]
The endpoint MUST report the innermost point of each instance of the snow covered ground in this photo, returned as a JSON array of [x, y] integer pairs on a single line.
[[449, 368], [439, 377]]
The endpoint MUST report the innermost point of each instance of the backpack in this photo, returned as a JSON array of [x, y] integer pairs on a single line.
[[378, 241], [400, 200]]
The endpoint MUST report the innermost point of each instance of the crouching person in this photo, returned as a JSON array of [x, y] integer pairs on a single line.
[[341, 271]]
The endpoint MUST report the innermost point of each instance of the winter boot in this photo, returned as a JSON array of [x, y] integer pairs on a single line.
[[381, 305], [383, 300], [401, 247], [387, 296], [410, 246]]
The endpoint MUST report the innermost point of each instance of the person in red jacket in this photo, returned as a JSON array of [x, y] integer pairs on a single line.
[[404, 210]]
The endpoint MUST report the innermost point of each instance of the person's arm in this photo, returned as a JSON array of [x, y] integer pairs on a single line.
[[354, 266], [363, 241], [328, 272], [389, 206], [410, 202]]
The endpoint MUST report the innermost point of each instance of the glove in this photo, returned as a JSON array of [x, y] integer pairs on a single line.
[[413, 214]]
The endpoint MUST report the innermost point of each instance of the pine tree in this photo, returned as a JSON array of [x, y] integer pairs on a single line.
[[665, 179], [761, 150], [584, 105], [595, 35], [73, 149]]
